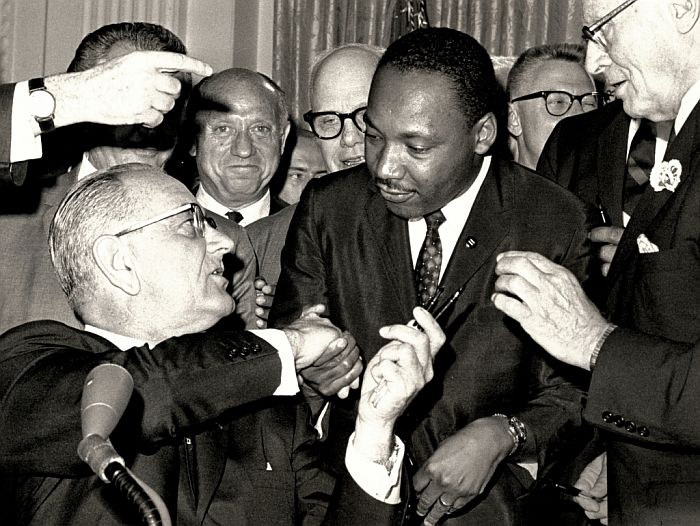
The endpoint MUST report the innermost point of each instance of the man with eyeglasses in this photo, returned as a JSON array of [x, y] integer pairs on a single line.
[[645, 387], [338, 88], [546, 84], [212, 425]]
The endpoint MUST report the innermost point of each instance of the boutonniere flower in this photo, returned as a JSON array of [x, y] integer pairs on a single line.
[[666, 175]]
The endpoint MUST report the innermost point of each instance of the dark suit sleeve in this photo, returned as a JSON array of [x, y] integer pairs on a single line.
[[303, 277], [9, 173], [351, 506], [179, 385], [666, 391]]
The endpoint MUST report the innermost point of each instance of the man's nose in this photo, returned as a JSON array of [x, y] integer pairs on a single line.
[[217, 241], [388, 164], [350, 136], [241, 144], [597, 59]]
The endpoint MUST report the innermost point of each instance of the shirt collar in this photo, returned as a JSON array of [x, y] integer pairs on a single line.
[[86, 167], [688, 103], [121, 342], [250, 213]]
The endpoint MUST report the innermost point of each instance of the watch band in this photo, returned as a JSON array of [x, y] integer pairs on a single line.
[[46, 123], [517, 432]]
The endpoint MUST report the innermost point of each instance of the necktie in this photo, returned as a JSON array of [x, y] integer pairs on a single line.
[[639, 164], [429, 259], [235, 216]]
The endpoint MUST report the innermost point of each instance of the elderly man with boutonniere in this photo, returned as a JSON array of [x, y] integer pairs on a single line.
[[643, 355]]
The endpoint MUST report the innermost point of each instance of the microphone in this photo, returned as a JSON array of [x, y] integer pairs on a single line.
[[106, 394]]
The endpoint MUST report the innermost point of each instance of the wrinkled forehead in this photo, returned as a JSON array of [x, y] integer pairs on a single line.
[[237, 98]]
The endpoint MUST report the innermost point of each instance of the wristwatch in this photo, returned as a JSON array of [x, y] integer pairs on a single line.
[[42, 104]]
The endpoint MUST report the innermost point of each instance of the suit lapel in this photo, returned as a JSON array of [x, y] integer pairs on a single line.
[[485, 225], [389, 233], [652, 202], [210, 465], [612, 164]]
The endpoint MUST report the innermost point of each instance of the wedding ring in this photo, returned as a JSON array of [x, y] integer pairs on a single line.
[[447, 505]]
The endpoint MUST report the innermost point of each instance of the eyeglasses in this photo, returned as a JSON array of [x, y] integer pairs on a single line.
[[592, 33], [559, 103], [199, 220], [329, 124]]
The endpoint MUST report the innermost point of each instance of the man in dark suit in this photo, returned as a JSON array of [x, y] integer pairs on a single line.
[[28, 287], [648, 347], [355, 239], [143, 267]]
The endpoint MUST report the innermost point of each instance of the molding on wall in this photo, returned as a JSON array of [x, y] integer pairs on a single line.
[[6, 33]]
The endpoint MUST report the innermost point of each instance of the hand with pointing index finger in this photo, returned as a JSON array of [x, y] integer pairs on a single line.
[[136, 88]]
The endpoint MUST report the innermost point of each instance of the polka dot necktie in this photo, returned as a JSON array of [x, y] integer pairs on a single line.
[[429, 259]]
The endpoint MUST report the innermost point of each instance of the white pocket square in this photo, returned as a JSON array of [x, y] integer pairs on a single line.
[[645, 246]]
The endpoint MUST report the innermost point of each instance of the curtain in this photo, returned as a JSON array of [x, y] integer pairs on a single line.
[[304, 28]]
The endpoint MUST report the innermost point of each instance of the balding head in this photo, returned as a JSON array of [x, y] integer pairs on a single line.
[[240, 123], [339, 82], [131, 259]]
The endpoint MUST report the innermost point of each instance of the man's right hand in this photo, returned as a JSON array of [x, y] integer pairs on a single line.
[[137, 88], [594, 481], [337, 370], [309, 335], [609, 236]]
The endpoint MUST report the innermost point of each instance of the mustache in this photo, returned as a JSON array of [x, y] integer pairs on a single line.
[[391, 184]]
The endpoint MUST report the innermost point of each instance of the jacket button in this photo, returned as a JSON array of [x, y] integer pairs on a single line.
[[631, 427], [608, 416], [643, 431], [256, 348], [619, 421], [232, 354]]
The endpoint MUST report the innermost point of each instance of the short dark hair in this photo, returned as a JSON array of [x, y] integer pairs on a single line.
[[520, 73], [141, 35], [455, 55]]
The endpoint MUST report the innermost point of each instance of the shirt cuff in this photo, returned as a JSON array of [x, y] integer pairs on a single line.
[[288, 381], [25, 138], [374, 479]]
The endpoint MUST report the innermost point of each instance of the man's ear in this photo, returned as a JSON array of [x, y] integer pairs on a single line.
[[193, 149], [115, 261], [685, 14], [285, 134], [514, 127], [485, 131]]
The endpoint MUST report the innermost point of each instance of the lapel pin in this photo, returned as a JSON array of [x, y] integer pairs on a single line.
[[470, 242]]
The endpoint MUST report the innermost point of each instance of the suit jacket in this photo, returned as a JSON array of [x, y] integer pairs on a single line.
[[587, 154], [29, 289], [268, 236], [345, 249], [182, 387], [649, 387]]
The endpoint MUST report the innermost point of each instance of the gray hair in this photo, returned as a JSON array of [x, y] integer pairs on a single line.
[[141, 35], [97, 205], [520, 73], [321, 58]]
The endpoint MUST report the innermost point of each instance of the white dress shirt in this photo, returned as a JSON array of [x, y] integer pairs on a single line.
[[250, 213]]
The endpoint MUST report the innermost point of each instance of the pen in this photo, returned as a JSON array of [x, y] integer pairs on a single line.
[[572, 491], [604, 216], [439, 313]]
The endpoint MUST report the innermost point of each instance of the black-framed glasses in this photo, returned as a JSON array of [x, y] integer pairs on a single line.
[[329, 124], [199, 220], [592, 33], [558, 103]]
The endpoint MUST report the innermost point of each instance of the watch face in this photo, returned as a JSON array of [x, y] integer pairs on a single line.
[[42, 104]]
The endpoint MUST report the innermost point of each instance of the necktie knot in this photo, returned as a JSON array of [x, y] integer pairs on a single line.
[[435, 219], [234, 215]]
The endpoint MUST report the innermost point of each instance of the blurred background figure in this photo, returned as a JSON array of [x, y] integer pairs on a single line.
[[305, 163]]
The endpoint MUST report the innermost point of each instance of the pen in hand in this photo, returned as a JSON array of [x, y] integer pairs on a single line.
[[604, 216], [379, 391]]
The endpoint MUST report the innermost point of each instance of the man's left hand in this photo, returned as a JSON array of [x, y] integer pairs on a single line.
[[461, 467], [549, 303], [337, 370]]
